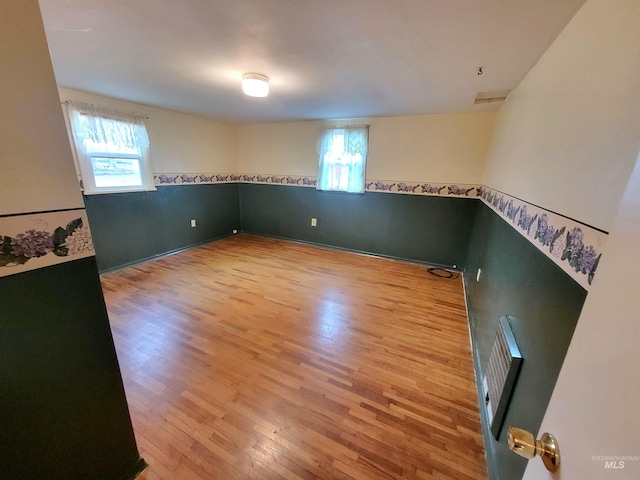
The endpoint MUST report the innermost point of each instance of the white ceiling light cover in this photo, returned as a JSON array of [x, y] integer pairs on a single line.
[[255, 85]]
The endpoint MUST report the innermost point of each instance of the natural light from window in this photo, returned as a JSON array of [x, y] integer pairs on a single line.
[[342, 159], [116, 171]]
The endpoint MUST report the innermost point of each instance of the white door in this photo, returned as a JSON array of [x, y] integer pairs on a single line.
[[594, 411]]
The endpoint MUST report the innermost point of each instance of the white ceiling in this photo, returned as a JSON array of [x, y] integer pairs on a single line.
[[327, 59]]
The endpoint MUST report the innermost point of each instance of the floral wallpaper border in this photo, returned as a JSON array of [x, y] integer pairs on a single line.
[[387, 186], [422, 188], [32, 241], [164, 179], [574, 246]]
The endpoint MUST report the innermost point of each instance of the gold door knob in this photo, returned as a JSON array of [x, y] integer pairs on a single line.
[[525, 444]]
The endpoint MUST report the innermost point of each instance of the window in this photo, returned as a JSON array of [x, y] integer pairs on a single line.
[[112, 149], [343, 157]]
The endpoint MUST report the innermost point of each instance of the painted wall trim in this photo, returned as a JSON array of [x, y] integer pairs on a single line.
[[38, 240], [572, 245]]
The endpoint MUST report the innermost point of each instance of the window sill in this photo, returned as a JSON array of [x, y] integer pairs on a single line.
[[109, 192], [341, 192]]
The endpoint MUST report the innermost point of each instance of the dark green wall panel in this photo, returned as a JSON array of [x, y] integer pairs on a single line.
[[129, 227], [519, 280], [119, 226], [434, 230], [63, 412]]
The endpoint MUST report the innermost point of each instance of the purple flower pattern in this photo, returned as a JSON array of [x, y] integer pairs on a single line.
[[32, 244], [587, 260], [526, 221], [163, 179], [385, 187], [566, 247], [308, 181], [432, 188], [70, 240], [403, 187], [512, 211], [373, 185], [456, 190]]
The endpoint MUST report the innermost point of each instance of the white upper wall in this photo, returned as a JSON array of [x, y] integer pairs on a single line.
[[568, 136], [36, 165], [436, 148], [431, 148], [179, 143]]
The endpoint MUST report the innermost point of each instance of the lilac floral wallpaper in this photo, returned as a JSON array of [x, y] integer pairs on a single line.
[[574, 246], [39, 240], [182, 178], [415, 188]]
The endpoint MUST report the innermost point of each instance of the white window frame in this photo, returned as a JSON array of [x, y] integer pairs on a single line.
[[94, 187], [84, 156]]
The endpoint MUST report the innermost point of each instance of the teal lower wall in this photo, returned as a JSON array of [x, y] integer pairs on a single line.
[[430, 229], [545, 303], [130, 227], [63, 412]]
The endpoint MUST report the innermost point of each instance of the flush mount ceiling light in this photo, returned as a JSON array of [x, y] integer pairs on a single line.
[[255, 85]]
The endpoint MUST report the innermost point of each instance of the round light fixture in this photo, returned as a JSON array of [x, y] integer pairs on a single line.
[[255, 85]]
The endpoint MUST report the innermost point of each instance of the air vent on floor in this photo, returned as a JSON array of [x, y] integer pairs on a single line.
[[501, 374], [492, 96]]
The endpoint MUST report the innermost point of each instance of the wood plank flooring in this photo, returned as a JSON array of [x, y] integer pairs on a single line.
[[262, 359]]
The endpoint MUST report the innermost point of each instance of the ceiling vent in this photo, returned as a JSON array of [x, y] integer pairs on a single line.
[[492, 96]]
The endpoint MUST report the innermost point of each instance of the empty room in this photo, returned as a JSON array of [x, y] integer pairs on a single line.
[[333, 239]]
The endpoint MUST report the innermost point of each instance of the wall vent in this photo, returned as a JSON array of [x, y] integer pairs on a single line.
[[501, 374], [492, 96]]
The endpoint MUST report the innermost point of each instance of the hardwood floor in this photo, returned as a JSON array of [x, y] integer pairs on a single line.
[[258, 358]]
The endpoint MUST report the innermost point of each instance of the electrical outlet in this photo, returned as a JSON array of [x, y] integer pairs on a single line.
[[235, 231], [314, 222], [193, 223]]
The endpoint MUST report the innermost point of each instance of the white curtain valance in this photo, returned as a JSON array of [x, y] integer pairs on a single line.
[[104, 126], [112, 148], [355, 138]]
